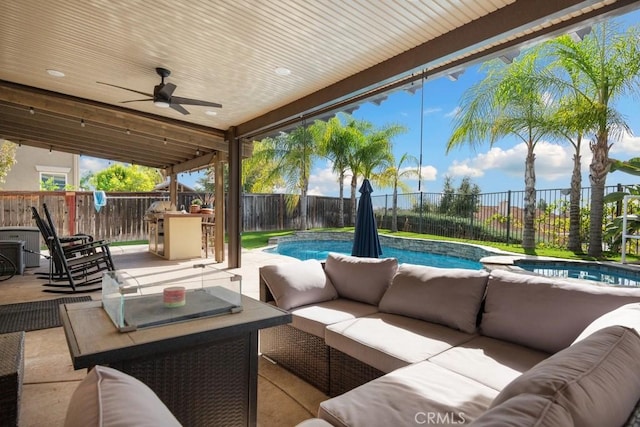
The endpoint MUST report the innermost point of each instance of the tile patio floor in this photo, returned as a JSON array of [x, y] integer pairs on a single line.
[[283, 399]]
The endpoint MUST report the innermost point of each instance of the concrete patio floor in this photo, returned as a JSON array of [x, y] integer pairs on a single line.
[[49, 380]]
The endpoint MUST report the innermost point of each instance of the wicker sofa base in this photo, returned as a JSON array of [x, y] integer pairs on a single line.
[[347, 373], [304, 354], [11, 377]]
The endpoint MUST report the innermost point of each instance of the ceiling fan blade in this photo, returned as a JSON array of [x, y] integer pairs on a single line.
[[179, 108], [126, 88], [188, 101], [167, 90], [136, 100]]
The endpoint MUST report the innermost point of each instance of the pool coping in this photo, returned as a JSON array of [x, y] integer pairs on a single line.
[[490, 258]]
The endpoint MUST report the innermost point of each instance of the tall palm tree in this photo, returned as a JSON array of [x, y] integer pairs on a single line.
[[571, 120], [335, 142], [406, 167], [290, 156], [608, 63], [370, 150], [508, 101]]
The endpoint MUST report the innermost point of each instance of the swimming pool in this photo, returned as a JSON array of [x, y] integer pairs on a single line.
[[319, 249], [609, 274]]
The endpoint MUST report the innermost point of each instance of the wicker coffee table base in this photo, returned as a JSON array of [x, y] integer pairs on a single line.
[[11, 376], [209, 385]]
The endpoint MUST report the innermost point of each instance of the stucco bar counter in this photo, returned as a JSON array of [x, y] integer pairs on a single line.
[[205, 370], [176, 236]]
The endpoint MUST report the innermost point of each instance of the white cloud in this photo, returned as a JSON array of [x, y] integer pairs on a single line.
[[553, 162], [464, 168], [92, 164], [429, 173], [453, 112], [428, 111], [627, 147]]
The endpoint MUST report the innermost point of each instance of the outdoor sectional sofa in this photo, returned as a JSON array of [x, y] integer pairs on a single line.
[[413, 345]]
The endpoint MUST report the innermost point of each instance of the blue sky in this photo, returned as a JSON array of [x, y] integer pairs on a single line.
[[494, 169]]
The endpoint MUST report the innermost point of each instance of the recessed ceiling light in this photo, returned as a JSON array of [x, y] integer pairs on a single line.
[[281, 71], [211, 113], [55, 73]]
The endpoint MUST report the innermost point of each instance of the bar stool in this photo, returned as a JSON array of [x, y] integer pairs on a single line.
[[208, 234]]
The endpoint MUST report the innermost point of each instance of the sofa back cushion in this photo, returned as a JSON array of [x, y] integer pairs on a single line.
[[545, 313], [298, 283], [360, 279], [627, 315], [597, 380], [448, 296]]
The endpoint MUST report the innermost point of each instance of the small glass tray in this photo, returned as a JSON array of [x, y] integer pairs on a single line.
[[132, 305]]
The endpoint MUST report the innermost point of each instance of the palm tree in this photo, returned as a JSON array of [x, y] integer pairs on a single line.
[[334, 143], [508, 101], [608, 63], [407, 167], [291, 157], [571, 121], [370, 150]]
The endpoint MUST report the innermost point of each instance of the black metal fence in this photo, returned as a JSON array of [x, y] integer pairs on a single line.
[[488, 216]]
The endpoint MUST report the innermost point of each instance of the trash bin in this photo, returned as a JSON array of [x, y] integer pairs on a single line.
[[12, 252], [31, 238]]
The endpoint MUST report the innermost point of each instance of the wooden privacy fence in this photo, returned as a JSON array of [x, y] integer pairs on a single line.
[[122, 219]]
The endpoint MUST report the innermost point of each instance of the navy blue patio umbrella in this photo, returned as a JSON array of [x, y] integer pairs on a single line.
[[366, 242]]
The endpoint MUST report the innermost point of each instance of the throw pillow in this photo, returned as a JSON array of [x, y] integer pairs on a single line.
[[448, 296], [108, 397], [360, 279], [298, 283]]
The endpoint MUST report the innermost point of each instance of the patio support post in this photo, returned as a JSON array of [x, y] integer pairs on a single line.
[[233, 225], [173, 189], [219, 207]]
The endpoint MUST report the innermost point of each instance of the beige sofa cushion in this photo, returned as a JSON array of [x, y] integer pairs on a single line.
[[107, 397], [545, 313], [489, 361], [525, 410], [448, 296], [419, 394], [313, 319], [627, 315], [388, 341], [597, 380], [360, 279], [298, 283]]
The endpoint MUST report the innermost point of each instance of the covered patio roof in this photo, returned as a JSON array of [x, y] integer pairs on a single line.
[[270, 65]]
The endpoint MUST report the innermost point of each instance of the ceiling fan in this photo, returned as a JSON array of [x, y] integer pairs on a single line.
[[163, 95]]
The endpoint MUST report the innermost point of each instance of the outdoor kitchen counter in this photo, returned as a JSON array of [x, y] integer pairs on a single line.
[[176, 236]]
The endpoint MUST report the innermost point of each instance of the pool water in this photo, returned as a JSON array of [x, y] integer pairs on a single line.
[[319, 249], [600, 273]]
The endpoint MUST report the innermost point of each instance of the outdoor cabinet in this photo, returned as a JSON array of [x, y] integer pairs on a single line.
[[176, 236]]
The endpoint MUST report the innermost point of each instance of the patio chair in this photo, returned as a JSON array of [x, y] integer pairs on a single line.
[[55, 268], [81, 263]]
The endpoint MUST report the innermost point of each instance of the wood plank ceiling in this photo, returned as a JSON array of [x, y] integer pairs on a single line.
[[338, 53]]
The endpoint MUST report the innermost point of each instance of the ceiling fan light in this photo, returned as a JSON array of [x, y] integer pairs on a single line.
[[161, 104]]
